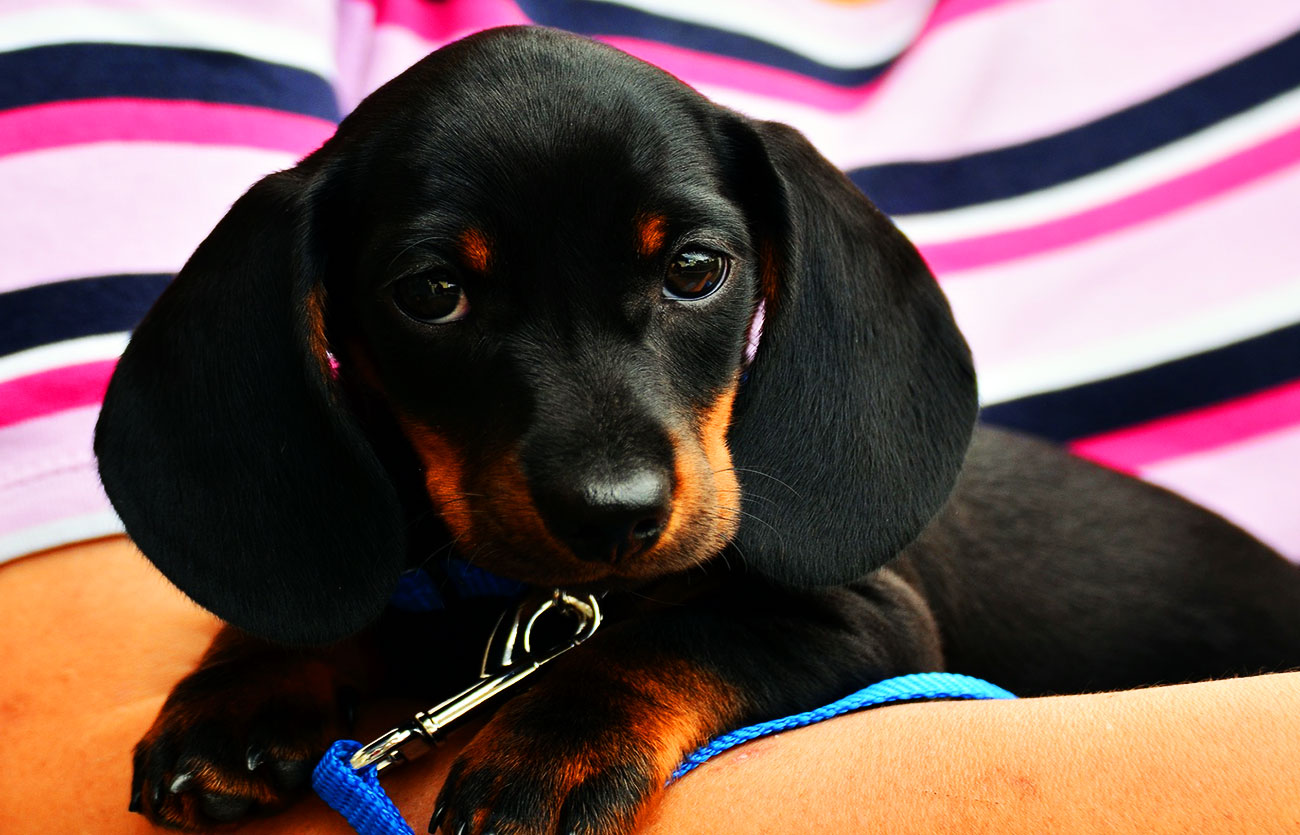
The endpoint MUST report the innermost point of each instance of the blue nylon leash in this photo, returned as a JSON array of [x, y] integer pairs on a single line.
[[358, 797], [898, 689]]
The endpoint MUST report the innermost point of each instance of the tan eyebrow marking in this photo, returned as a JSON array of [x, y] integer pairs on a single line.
[[314, 319], [475, 249], [651, 229]]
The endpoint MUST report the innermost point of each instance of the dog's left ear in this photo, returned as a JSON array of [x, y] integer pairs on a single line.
[[851, 428]]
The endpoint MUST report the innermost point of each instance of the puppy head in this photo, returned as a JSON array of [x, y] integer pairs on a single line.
[[542, 261]]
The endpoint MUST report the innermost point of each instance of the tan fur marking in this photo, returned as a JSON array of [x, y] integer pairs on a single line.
[[444, 476], [707, 498], [512, 502], [651, 231], [713, 439], [476, 250], [314, 319]]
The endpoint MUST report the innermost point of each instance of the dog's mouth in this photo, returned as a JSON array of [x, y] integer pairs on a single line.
[[646, 522]]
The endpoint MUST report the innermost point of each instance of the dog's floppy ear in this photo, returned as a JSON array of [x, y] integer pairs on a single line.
[[226, 449], [851, 428]]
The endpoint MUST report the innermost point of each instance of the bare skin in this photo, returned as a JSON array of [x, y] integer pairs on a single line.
[[94, 639]]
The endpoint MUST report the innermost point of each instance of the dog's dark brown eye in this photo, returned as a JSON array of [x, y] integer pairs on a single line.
[[431, 297], [694, 274]]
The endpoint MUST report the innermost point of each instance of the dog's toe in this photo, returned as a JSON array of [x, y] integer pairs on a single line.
[[205, 764], [521, 789]]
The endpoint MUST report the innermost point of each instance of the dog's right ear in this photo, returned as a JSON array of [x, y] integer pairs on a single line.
[[226, 447]]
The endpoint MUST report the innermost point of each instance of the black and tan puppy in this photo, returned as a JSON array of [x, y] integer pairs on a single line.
[[540, 306]]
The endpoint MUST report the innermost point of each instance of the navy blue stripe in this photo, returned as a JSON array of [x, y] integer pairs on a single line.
[[597, 18], [72, 309], [92, 70], [1190, 383], [914, 187]]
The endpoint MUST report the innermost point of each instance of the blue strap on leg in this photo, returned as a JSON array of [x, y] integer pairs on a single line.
[[358, 797], [899, 689]]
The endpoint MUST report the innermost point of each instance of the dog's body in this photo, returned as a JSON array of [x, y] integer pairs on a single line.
[[593, 331]]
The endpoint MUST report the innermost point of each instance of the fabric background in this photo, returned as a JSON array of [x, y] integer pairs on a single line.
[[1109, 193]]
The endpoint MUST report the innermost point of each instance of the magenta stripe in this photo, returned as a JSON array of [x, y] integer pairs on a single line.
[[114, 120], [946, 11], [450, 20], [47, 392], [1273, 155], [1194, 432], [442, 22]]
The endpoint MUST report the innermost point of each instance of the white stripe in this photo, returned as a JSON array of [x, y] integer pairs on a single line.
[[1115, 354], [59, 532], [168, 24], [980, 84], [843, 36], [84, 225], [107, 346], [1251, 482], [1183, 156]]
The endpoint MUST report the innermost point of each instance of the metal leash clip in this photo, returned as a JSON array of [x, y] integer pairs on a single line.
[[509, 658]]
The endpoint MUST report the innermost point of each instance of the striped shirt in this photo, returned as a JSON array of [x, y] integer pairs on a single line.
[[1108, 191]]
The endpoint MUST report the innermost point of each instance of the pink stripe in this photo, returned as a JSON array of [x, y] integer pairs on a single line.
[[1253, 483], [444, 22], [52, 391], [1239, 169], [946, 11], [709, 69], [55, 495], [1019, 87], [1132, 286], [55, 441], [138, 207], [47, 470], [1194, 432], [449, 20], [116, 120], [1083, 61]]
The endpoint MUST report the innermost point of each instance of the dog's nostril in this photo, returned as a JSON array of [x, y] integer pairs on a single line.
[[646, 529]]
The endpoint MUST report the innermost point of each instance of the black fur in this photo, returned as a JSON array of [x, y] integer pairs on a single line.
[[287, 499]]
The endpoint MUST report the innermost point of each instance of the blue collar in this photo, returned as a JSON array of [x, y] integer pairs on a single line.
[[430, 588]]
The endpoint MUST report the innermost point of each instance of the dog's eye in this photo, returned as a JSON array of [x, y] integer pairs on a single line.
[[694, 274], [432, 298]]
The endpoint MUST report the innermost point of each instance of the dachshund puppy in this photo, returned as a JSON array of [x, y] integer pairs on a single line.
[[541, 308]]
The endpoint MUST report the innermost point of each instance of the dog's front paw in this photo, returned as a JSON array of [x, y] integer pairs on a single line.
[[584, 752], [510, 782], [230, 743]]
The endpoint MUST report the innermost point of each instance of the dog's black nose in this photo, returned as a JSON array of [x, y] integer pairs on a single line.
[[608, 520]]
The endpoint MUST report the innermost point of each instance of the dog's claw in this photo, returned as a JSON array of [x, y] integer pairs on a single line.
[[439, 812], [181, 782], [255, 757], [224, 753]]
